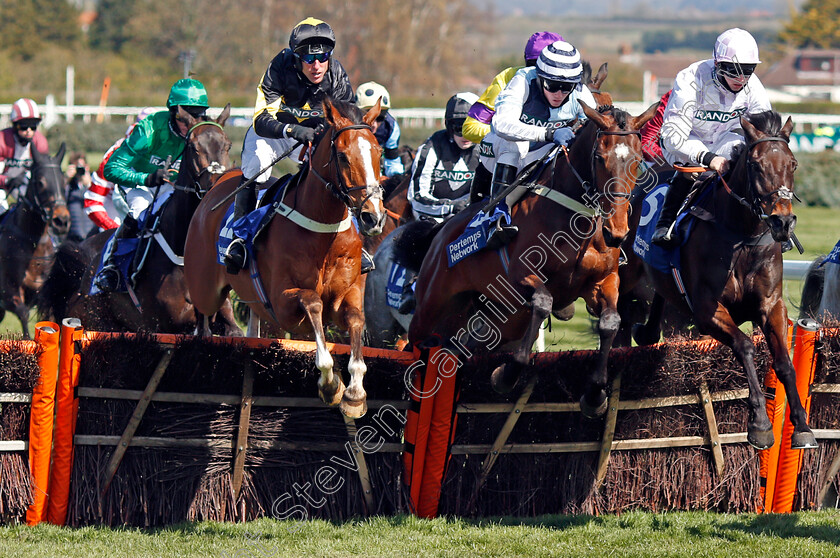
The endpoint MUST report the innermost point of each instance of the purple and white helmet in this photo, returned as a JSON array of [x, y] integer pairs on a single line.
[[539, 41], [736, 45]]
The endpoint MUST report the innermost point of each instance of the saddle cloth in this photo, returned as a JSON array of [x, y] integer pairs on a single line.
[[475, 235], [397, 275]]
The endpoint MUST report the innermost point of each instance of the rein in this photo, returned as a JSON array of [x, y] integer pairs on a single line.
[[214, 168]]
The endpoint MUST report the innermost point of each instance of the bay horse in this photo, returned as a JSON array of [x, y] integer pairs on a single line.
[[29, 235], [309, 260], [731, 267], [160, 302], [566, 248]]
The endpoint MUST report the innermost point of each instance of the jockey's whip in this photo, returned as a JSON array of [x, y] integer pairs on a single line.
[[518, 180], [251, 180]]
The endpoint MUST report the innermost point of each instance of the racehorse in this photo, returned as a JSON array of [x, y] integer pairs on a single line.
[[731, 268], [309, 260], [567, 247], [821, 291], [160, 301], [29, 233]]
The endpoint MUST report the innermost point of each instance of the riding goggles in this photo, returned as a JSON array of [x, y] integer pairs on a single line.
[[311, 58], [553, 86], [24, 126], [735, 70]]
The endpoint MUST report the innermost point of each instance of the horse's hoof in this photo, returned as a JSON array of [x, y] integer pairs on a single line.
[[803, 440], [353, 409], [643, 335], [593, 412], [760, 439], [501, 379], [333, 393]]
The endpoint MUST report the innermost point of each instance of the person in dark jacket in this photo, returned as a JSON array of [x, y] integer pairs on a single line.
[[288, 113]]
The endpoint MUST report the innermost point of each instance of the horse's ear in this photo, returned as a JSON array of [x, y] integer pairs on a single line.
[[594, 115], [224, 116], [330, 112], [60, 154], [373, 112], [787, 129], [184, 116], [600, 77], [642, 119], [750, 131]]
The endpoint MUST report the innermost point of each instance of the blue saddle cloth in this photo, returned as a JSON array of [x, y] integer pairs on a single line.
[[248, 227], [833, 256], [126, 247], [397, 276], [475, 236], [658, 257]]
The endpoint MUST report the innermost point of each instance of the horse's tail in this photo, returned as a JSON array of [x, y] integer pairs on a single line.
[[412, 241], [63, 282], [812, 289]]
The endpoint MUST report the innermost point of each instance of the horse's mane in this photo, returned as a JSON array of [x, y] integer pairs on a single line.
[[769, 122], [348, 110]]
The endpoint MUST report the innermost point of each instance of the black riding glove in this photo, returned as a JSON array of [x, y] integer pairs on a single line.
[[300, 133], [13, 183], [156, 178], [460, 204]]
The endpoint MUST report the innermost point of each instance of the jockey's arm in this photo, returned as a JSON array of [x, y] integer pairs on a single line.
[[391, 162], [509, 105], [120, 167], [420, 193]]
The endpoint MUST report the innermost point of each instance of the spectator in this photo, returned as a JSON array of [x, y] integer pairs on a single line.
[[78, 182]]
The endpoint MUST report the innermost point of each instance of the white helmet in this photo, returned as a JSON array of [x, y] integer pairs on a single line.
[[736, 45], [367, 94], [560, 61], [25, 109]]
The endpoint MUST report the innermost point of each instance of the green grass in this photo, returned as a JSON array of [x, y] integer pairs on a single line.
[[683, 534]]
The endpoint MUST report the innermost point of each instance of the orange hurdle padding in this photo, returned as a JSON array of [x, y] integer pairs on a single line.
[[790, 460], [41, 421], [441, 431], [774, 392], [65, 421]]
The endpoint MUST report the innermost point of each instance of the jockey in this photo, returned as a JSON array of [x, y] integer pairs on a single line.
[[445, 164], [386, 129], [533, 113], [138, 164], [16, 145], [287, 113], [477, 124], [702, 119], [104, 205]]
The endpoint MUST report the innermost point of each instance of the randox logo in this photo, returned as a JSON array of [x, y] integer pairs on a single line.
[[719, 116], [452, 175], [301, 112]]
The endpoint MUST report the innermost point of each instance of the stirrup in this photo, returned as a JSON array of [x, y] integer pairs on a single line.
[[501, 235], [668, 240], [235, 256]]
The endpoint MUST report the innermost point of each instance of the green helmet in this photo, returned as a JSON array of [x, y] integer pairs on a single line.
[[189, 93]]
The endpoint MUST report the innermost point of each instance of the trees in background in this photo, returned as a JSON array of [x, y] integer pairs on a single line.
[[817, 24]]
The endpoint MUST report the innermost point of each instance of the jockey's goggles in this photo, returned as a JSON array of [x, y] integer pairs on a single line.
[[195, 112], [26, 126], [311, 58], [735, 70], [553, 86]]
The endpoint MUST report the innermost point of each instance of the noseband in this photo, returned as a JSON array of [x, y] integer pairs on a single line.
[[341, 190]]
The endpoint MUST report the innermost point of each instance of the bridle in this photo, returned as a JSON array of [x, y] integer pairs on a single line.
[[339, 189], [214, 169], [754, 204], [591, 195], [46, 212]]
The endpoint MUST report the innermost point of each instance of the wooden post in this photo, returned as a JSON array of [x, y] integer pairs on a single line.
[[364, 474], [711, 422], [134, 422], [502, 437], [240, 444], [609, 433]]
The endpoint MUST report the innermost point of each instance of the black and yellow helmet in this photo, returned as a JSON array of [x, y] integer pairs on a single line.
[[312, 36]]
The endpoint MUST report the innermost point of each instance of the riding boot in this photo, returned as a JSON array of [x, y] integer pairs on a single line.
[[663, 235], [108, 279], [407, 301], [236, 253], [367, 262], [480, 186], [502, 233]]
